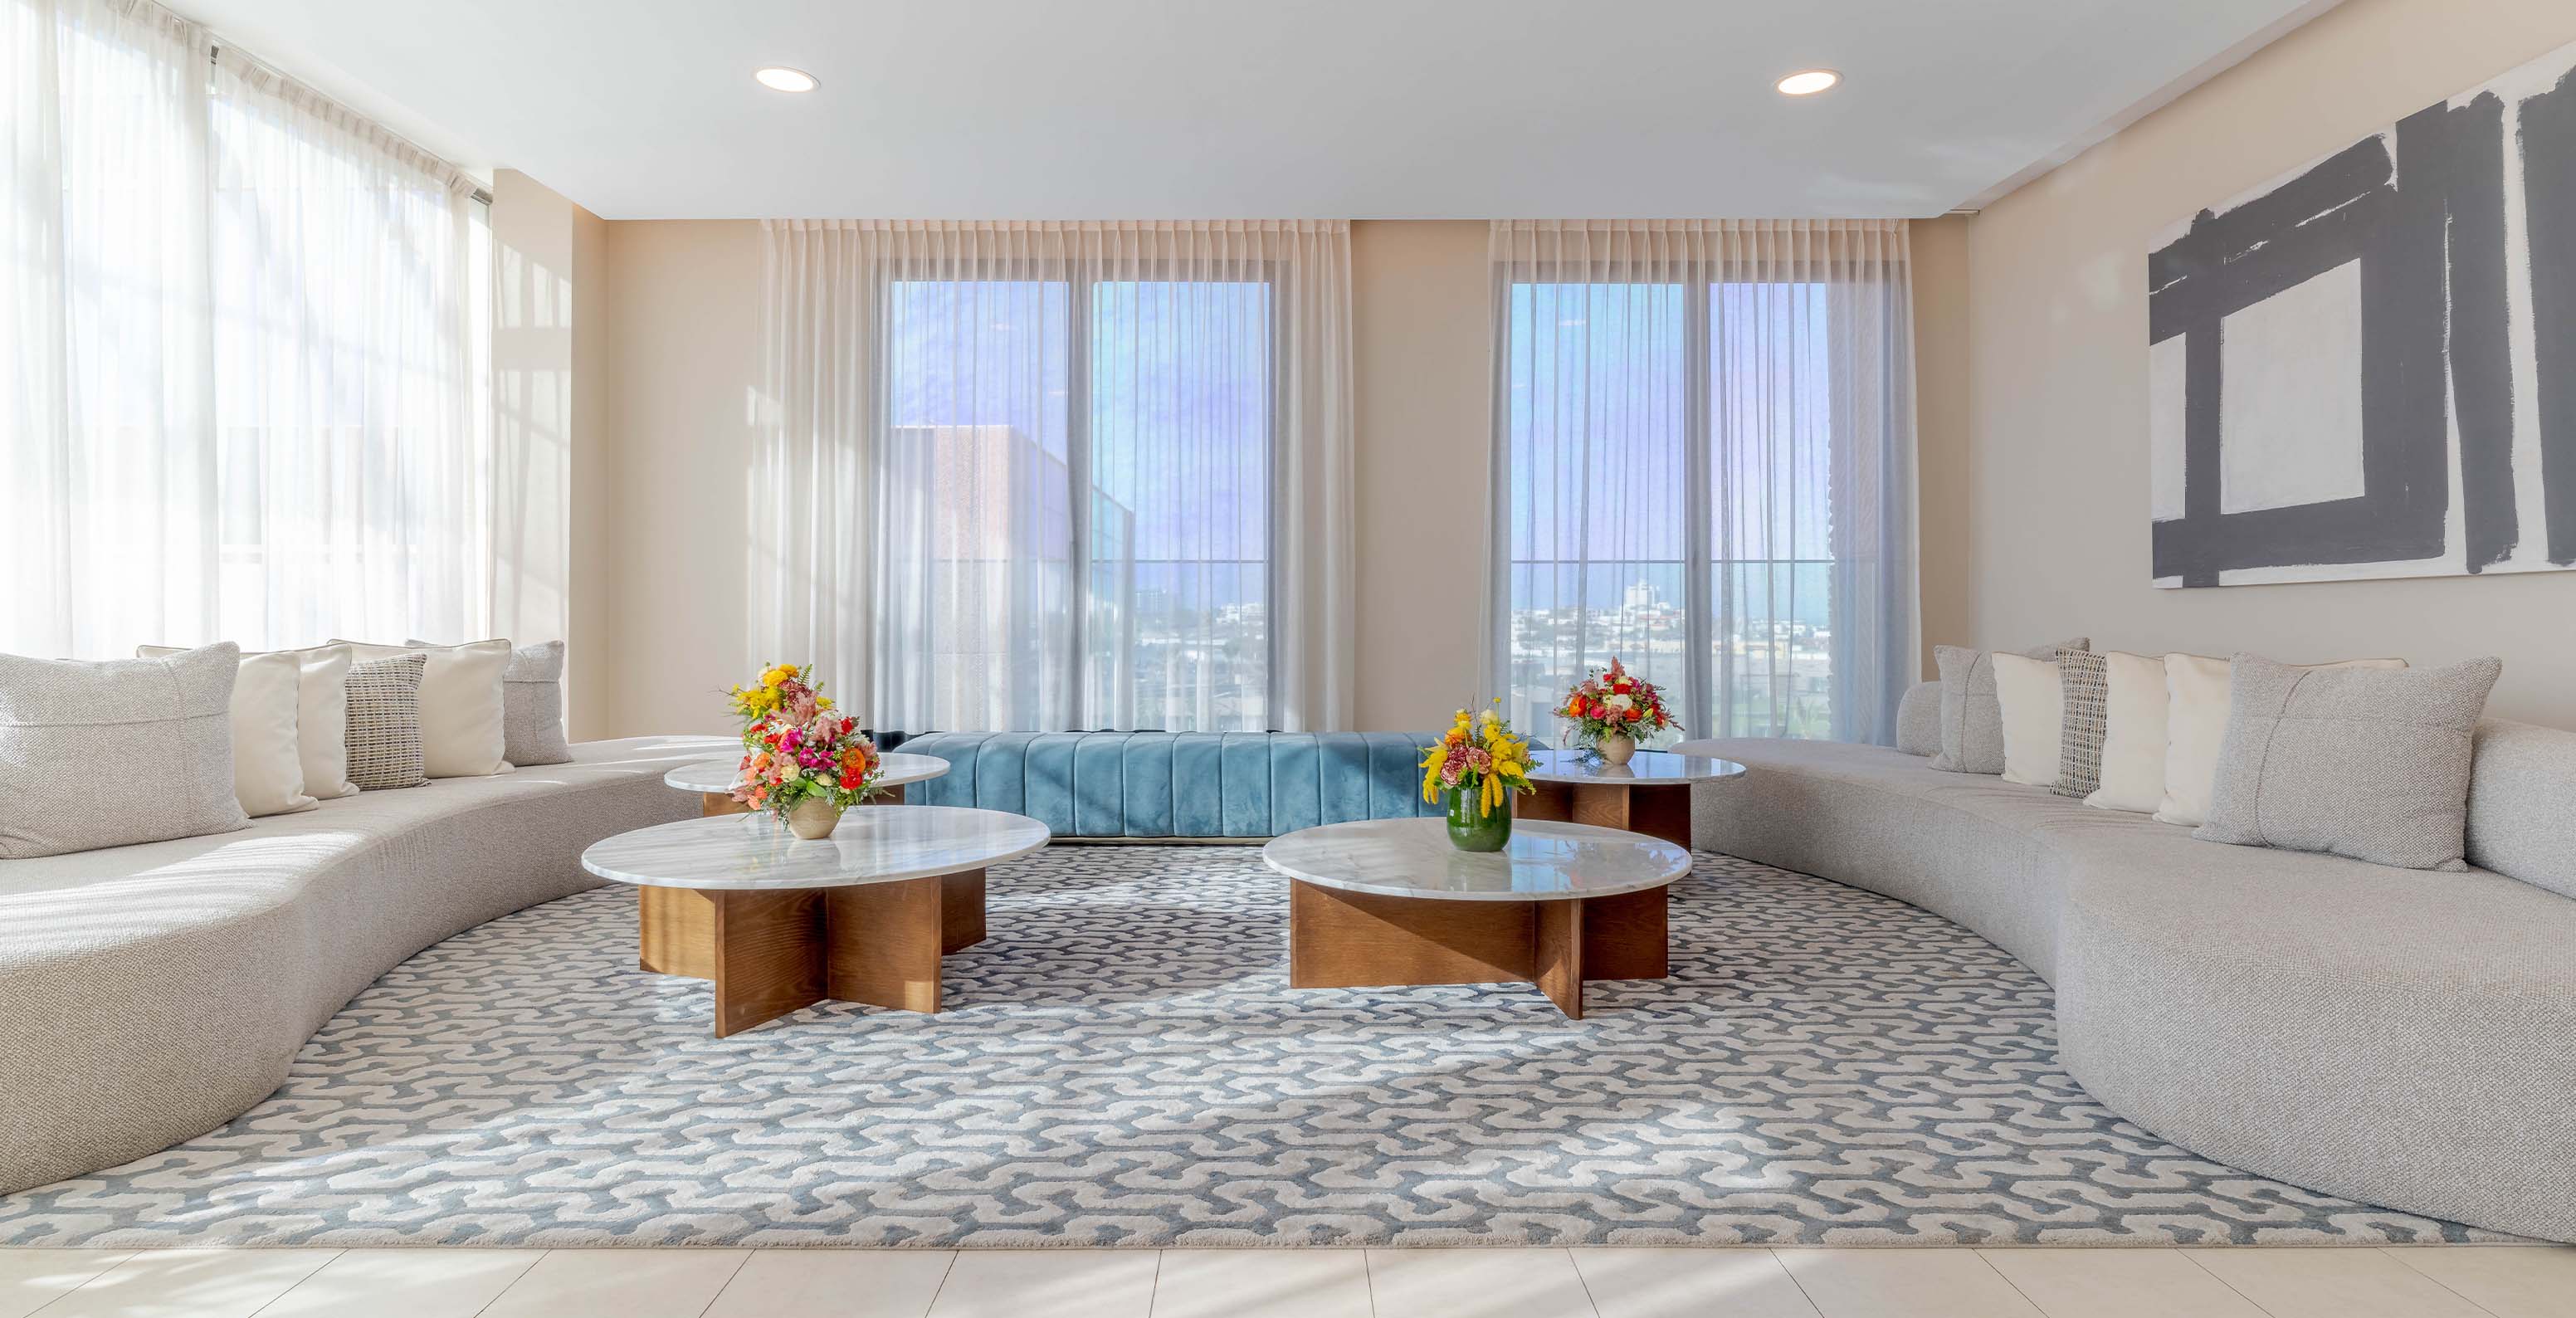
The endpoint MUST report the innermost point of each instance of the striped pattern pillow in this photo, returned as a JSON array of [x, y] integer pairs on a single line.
[[2084, 680], [384, 723]]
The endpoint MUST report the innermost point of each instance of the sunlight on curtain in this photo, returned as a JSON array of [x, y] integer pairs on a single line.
[[243, 401], [1704, 460], [1037, 476]]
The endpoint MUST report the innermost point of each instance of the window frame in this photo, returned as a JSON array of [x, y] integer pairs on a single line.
[[1080, 290]]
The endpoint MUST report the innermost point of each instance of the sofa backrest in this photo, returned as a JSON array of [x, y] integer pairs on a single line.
[[2522, 804], [1918, 719]]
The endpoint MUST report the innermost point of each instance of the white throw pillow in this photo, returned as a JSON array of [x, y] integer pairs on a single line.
[[2034, 706], [2133, 741], [461, 732], [2197, 693], [321, 715], [268, 766]]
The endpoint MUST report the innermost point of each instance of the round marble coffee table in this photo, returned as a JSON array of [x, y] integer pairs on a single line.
[[779, 922], [1650, 794], [1389, 901], [713, 780]]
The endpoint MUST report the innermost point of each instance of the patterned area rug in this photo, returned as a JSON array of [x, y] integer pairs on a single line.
[[1123, 1064]]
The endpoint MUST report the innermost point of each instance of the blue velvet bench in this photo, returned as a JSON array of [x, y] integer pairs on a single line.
[[1236, 785]]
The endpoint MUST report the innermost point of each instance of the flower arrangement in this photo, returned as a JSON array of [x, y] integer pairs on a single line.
[[1612, 708], [801, 761], [1479, 764]]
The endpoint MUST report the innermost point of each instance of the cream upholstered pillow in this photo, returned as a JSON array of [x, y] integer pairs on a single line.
[[532, 706], [2133, 734], [1972, 732], [2197, 690], [321, 716], [2034, 715], [461, 726], [106, 754], [268, 769]]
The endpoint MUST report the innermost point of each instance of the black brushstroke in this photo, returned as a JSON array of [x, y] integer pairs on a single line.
[[2480, 352], [2549, 189]]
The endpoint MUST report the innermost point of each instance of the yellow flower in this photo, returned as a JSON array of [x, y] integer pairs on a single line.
[[1434, 759]]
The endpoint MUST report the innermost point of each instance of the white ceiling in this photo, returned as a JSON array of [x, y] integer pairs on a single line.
[[1202, 109]]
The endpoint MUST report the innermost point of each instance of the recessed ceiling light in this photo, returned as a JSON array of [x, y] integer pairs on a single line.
[[785, 79], [1808, 82]]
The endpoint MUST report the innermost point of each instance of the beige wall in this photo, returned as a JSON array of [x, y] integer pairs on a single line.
[[2056, 479], [552, 378], [1942, 427], [1423, 403], [684, 369]]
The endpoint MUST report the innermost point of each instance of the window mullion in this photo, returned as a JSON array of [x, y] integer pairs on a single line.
[[1077, 468], [1698, 504]]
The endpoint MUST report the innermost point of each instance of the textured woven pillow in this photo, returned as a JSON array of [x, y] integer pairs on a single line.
[[532, 705], [108, 754], [1972, 719], [460, 705], [2197, 702], [2084, 720], [2367, 763], [384, 723]]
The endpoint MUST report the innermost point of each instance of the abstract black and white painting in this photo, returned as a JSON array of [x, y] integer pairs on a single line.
[[2367, 367]]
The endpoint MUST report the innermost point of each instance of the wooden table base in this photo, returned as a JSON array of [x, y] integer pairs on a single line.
[[1660, 810], [722, 803], [771, 953], [1340, 939]]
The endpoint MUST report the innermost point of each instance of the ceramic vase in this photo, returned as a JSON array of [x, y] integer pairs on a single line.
[[813, 818], [1615, 748], [1471, 830]]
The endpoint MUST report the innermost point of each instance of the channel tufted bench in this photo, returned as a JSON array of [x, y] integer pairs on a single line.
[[1165, 785]]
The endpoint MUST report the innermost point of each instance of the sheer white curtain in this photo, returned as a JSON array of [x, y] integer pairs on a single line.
[[244, 392], [1034, 476], [1704, 466]]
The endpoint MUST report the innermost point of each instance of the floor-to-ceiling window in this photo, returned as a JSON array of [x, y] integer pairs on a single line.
[[1091, 462], [1087, 456], [245, 397], [1704, 442]]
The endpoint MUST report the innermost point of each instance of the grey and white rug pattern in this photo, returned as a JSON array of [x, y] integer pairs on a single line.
[[1123, 1064]]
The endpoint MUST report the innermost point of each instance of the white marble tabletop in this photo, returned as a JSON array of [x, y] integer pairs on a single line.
[[719, 776], [1648, 767], [873, 845], [1413, 858]]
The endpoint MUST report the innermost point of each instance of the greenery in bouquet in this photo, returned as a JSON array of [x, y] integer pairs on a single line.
[[1615, 702], [797, 748], [1478, 756]]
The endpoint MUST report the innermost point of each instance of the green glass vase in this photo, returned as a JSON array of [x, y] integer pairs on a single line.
[[1470, 830]]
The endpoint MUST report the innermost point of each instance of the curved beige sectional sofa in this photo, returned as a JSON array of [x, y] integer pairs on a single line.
[[2399, 1037], [154, 992]]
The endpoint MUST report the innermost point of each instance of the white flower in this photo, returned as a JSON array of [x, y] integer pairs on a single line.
[[1618, 702]]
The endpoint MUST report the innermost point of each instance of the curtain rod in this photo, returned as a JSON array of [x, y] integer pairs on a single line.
[[215, 55]]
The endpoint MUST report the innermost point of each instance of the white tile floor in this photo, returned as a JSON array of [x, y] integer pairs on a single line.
[[2497, 1281]]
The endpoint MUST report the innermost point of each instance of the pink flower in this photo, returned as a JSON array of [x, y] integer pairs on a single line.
[[1450, 769], [1479, 759]]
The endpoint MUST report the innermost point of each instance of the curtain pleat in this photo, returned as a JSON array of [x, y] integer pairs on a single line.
[[241, 331], [1032, 476], [1704, 467]]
